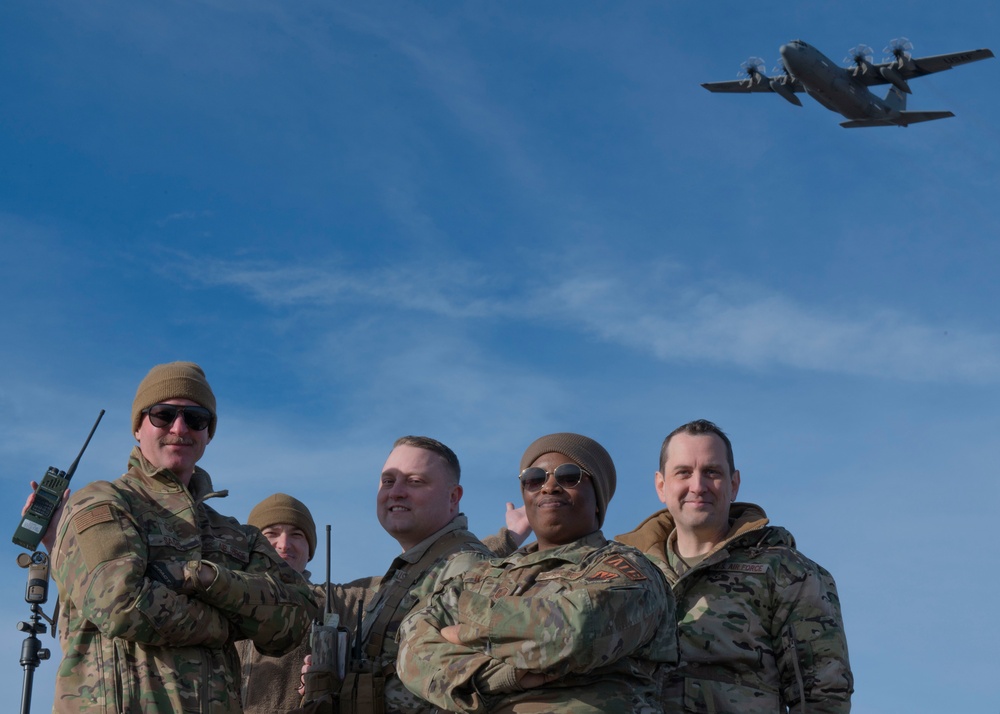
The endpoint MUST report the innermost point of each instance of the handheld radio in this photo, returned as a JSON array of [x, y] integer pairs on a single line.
[[47, 496], [328, 639]]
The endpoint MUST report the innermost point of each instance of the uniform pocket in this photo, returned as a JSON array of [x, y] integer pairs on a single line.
[[704, 696]]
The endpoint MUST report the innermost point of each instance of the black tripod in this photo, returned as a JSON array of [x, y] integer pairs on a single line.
[[32, 652]]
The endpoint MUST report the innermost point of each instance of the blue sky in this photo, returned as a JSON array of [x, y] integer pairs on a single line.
[[489, 221]]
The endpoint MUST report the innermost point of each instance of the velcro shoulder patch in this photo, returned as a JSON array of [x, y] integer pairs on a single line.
[[100, 536], [624, 566], [93, 517], [756, 568]]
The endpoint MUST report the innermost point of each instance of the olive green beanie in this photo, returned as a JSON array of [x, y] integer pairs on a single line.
[[588, 455], [282, 508], [175, 380]]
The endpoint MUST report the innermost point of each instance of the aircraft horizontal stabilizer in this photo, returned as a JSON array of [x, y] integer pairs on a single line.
[[902, 119]]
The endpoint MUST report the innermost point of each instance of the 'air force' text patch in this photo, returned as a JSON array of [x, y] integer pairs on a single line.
[[742, 567]]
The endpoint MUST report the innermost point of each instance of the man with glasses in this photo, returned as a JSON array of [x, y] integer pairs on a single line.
[[759, 623], [571, 624], [155, 585]]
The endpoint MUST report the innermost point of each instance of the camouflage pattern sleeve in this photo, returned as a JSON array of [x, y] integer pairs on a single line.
[[573, 623], [267, 602], [436, 670], [810, 644], [592, 620], [100, 564], [443, 571]]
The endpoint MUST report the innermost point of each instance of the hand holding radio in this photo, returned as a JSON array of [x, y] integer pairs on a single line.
[[44, 505], [49, 536]]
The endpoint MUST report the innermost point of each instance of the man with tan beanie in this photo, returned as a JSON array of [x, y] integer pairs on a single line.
[[156, 586], [289, 526], [269, 682]]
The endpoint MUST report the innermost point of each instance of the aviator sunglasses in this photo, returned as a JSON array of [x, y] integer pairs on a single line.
[[162, 416], [567, 476]]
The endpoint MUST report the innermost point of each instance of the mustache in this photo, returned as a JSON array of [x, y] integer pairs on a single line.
[[551, 499], [171, 440]]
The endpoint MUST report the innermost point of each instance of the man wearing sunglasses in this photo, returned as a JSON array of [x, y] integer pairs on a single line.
[[571, 624], [759, 623], [156, 586]]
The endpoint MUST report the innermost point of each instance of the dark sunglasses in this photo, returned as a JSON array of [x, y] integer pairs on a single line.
[[162, 416], [567, 476]]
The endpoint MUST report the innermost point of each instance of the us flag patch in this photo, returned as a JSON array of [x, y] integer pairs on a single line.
[[98, 514]]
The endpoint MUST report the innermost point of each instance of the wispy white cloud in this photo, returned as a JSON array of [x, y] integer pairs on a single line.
[[686, 321], [458, 289], [761, 329]]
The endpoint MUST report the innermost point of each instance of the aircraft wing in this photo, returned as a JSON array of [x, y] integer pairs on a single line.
[[743, 86], [922, 66], [928, 65]]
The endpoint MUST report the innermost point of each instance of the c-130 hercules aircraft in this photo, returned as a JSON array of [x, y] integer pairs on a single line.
[[803, 68]]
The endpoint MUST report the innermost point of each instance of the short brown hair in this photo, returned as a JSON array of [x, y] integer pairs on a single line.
[[435, 446], [699, 427]]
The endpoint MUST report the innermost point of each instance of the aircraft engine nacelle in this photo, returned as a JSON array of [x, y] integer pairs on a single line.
[[779, 87], [894, 78]]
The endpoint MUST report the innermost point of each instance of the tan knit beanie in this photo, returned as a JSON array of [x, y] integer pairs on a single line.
[[282, 508], [588, 455], [175, 380]]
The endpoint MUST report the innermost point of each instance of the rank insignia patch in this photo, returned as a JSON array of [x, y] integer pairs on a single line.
[[602, 575], [625, 566]]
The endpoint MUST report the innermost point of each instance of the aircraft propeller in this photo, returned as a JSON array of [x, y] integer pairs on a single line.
[[782, 73], [861, 57], [781, 83], [752, 71], [898, 51]]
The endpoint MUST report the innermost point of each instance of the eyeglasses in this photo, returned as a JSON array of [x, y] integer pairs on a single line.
[[162, 416], [567, 476]]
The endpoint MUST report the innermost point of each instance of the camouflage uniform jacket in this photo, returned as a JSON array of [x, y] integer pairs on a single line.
[[758, 622], [462, 552], [138, 631], [593, 616], [270, 684], [418, 581]]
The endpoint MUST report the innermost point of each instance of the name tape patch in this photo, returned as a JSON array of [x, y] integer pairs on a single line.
[[742, 567]]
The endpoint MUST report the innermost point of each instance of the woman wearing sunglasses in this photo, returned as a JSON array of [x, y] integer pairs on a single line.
[[571, 623]]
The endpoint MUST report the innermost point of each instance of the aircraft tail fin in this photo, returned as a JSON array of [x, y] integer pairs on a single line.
[[896, 99]]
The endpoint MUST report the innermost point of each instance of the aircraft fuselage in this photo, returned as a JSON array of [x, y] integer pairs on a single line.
[[834, 87]]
